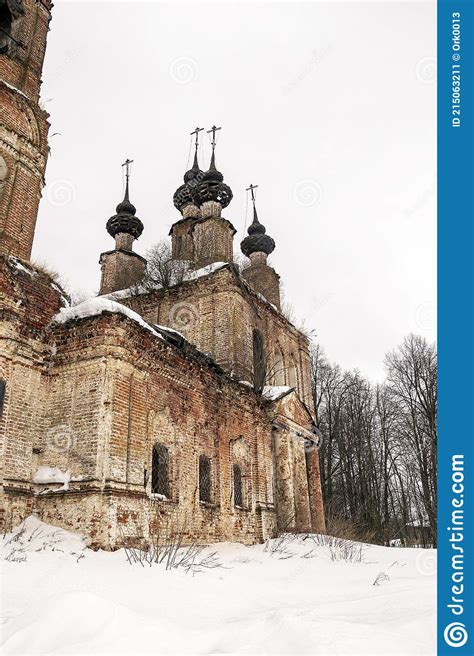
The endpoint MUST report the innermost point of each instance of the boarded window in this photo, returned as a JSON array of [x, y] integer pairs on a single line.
[[160, 480], [205, 482], [238, 496]]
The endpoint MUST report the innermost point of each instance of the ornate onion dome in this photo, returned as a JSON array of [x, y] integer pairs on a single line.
[[183, 196], [125, 219], [212, 186], [257, 241]]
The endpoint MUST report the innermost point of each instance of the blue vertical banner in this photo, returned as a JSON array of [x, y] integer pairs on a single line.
[[456, 327]]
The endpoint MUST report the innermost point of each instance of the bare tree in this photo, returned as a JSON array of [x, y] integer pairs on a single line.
[[412, 381], [162, 271], [378, 459]]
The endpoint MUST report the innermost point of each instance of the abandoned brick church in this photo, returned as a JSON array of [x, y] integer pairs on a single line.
[[188, 403]]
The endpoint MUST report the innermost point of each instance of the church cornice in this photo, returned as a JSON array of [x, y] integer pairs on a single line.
[[193, 221]]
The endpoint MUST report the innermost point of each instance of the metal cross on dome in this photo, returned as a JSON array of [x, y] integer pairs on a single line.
[[127, 164], [214, 129], [196, 132], [252, 195]]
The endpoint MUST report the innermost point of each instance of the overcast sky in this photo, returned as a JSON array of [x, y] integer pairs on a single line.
[[329, 107]]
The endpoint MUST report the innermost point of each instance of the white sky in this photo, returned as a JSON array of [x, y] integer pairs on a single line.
[[329, 107]]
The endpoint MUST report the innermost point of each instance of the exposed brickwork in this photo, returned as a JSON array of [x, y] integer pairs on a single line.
[[218, 313], [23, 130], [263, 278], [182, 247], [203, 240], [92, 397], [120, 269]]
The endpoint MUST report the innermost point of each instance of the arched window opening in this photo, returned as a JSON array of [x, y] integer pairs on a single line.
[[238, 494], [205, 480], [160, 480], [3, 386], [3, 175], [10, 13], [293, 375], [259, 365], [279, 369], [6, 20]]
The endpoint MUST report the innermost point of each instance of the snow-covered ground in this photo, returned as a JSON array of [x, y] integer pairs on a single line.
[[290, 596]]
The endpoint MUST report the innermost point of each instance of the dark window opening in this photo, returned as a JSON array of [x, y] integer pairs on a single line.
[[6, 20], [259, 372], [10, 13], [205, 482], [160, 483], [3, 387], [238, 496]]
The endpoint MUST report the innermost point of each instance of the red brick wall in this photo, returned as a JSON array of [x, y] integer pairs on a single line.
[[218, 313], [24, 130]]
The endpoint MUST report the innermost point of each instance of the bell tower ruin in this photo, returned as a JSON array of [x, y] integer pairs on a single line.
[[257, 246], [23, 123], [203, 236], [122, 267]]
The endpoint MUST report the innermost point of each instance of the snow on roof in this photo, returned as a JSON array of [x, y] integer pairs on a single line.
[[10, 86], [273, 393], [30, 270], [169, 330], [205, 271], [95, 306], [265, 300], [190, 275], [19, 266]]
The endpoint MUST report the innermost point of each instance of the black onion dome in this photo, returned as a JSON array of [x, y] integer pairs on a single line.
[[213, 173], [257, 241], [125, 207], [212, 187], [183, 196], [194, 172], [125, 219]]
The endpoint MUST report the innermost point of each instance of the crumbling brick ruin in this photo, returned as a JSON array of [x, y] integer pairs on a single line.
[[189, 403]]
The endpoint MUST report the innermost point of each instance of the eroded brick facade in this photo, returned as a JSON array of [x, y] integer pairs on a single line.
[[118, 424], [218, 312], [23, 125], [93, 396]]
